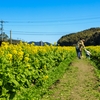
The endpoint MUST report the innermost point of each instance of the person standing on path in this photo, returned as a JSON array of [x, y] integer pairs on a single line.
[[79, 47]]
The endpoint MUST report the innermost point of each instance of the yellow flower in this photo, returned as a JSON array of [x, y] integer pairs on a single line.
[[27, 55], [28, 65], [33, 44], [20, 55], [26, 59], [45, 77], [1, 53], [25, 43], [44, 66], [9, 56], [14, 52]]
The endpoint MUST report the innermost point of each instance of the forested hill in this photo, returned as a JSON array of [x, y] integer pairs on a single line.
[[91, 36]]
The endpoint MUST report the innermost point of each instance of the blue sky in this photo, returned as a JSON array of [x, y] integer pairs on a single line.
[[48, 20]]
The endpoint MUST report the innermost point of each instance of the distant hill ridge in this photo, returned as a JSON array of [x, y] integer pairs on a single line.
[[91, 36], [40, 43]]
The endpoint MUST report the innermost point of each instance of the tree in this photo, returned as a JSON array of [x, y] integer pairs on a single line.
[[4, 37]]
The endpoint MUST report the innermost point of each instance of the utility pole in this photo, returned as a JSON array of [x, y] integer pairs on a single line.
[[40, 43], [10, 36], [1, 28]]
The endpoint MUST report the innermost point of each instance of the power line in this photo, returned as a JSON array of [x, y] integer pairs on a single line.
[[52, 24], [40, 33], [37, 32], [35, 23], [52, 21]]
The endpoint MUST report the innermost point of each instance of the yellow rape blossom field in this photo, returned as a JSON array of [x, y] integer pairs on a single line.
[[26, 67], [27, 71], [95, 57]]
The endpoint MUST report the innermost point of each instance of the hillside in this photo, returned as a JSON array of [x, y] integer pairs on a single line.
[[91, 36]]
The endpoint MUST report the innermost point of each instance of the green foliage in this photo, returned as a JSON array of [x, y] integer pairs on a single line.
[[91, 36], [95, 58], [54, 74], [27, 71]]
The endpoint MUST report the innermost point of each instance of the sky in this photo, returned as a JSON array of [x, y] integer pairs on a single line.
[[48, 20]]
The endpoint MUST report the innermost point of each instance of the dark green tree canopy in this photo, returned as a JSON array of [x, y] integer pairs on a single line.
[[91, 36]]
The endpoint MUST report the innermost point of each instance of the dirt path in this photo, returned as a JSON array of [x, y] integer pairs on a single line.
[[78, 83]]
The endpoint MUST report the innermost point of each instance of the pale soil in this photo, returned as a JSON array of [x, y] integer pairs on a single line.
[[78, 83]]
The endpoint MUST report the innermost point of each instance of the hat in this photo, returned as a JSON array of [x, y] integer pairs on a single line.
[[83, 40]]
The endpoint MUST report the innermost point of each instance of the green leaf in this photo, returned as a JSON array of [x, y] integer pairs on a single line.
[[4, 91], [15, 82], [1, 83]]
